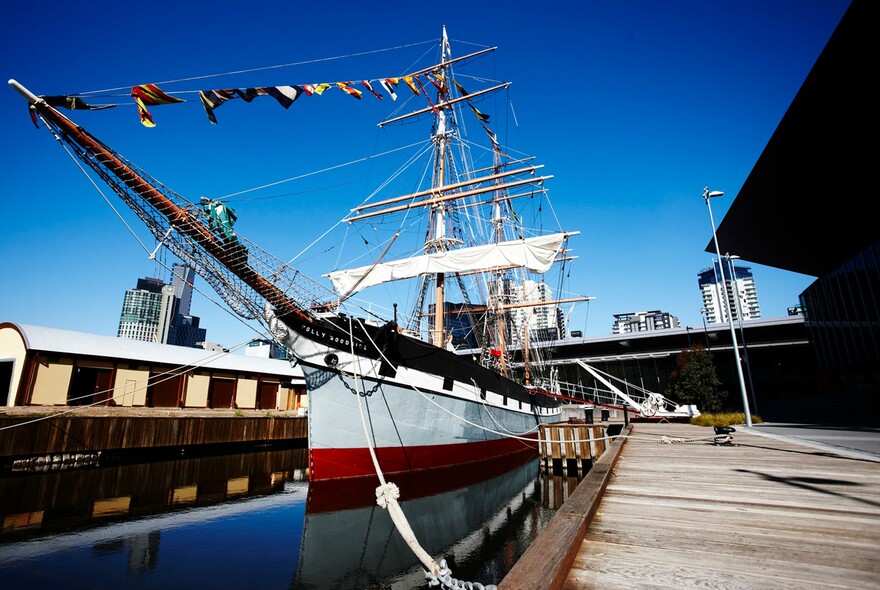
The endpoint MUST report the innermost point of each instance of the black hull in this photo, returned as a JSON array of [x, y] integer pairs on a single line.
[[385, 342]]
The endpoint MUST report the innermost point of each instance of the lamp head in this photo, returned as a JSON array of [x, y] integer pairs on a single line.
[[707, 194]]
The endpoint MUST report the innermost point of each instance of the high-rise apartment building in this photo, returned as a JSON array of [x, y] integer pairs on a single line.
[[642, 321], [738, 294], [545, 322]]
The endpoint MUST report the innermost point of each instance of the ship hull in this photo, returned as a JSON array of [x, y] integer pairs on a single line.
[[373, 391]]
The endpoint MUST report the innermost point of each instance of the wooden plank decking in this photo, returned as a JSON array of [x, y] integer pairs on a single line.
[[767, 513]]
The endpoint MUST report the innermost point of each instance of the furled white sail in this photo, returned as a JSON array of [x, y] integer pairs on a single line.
[[536, 254]]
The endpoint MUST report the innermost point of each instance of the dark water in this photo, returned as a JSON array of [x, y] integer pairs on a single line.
[[253, 521]]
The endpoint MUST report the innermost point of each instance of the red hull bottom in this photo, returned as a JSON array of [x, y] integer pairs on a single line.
[[343, 463], [330, 495]]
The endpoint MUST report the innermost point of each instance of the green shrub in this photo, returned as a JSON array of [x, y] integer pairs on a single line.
[[724, 419]]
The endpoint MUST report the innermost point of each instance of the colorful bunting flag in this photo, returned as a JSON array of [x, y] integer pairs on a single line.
[[493, 138], [320, 88], [285, 95], [143, 113], [409, 82], [150, 95], [346, 87], [439, 82], [212, 99], [369, 87], [388, 84], [250, 93], [480, 116]]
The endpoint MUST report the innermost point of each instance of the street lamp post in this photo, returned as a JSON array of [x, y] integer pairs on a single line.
[[742, 382], [703, 313], [742, 334]]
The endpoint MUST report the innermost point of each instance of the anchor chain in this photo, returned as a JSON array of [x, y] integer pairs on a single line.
[[444, 578], [367, 393]]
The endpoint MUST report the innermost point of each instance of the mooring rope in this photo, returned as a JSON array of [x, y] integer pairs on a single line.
[[387, 494], [667, 440]]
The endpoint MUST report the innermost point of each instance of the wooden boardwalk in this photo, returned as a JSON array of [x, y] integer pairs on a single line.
[[767, 513]]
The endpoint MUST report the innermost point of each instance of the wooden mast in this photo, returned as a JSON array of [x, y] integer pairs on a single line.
[[438, 209]]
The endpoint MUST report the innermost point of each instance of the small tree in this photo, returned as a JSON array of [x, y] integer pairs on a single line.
[[695, 381]]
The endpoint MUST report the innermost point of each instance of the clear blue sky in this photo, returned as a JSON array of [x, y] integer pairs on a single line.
[[633, 106]]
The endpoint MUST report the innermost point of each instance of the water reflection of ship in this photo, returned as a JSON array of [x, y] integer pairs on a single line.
[[462, 515]]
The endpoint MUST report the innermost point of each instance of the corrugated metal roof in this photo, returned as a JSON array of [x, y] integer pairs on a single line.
[[43, 339]]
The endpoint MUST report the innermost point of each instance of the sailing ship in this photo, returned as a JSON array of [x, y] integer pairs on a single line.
[[388, 394]]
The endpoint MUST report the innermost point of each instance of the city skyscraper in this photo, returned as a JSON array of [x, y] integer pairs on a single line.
[[147, 311], [157, 312], [739, 291], [182, 278]]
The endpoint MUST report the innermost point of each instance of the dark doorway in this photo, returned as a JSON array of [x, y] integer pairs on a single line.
[[5, 381], [90, 386]]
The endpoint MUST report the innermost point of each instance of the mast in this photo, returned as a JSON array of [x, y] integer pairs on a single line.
[[438, 240]]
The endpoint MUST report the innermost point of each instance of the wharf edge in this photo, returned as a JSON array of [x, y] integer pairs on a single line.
[[765, 512], [51, 437]]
